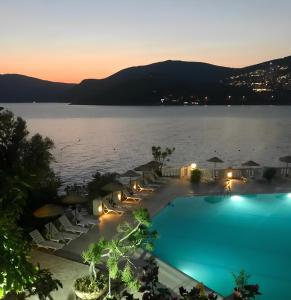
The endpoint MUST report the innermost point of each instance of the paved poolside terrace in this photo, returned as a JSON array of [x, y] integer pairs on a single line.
[[71, 254]]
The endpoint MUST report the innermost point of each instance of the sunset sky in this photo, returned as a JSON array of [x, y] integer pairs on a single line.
[[70, 40]]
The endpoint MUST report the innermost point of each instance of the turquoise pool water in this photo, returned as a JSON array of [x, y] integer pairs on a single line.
[[209, 237]]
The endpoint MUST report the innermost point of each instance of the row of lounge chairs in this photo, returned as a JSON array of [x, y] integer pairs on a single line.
[[58, 238], [132, 197]]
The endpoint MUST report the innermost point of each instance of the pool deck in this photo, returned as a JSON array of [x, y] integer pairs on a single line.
[[154, 202]]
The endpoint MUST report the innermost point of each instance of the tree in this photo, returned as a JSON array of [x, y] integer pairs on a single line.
[[26, 159], [99, 180], [161, 155], [129, 238], [24, 169]]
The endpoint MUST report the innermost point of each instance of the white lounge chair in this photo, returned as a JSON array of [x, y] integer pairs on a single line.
[[85, 220], [159, 180], [57, 235], [42, 243], [144, 188], [68, 226], [151, 185], [129, 198], [108, 208]]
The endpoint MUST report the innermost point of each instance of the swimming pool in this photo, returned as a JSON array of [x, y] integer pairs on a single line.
[[209, 237]]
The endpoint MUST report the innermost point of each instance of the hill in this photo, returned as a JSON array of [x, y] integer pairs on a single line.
[[168, 83], [179, 82], [20, 88]]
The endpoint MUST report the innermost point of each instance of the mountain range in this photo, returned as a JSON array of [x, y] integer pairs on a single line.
[[168, 83]]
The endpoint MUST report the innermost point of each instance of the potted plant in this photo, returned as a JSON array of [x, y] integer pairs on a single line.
[[93, 285]]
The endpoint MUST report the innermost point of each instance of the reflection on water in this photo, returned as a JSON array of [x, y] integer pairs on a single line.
[[90, 138]]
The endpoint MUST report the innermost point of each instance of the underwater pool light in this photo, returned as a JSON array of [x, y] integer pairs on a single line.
[[236, 198]]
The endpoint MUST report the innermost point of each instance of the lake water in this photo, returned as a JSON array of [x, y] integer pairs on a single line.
[[111, 138]]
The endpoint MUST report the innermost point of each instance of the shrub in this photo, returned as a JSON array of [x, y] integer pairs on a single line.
[[269, 173], [243, 290], [196, 175], [88, 284]]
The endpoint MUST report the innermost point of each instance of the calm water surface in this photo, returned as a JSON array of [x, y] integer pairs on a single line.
[[111, 138]]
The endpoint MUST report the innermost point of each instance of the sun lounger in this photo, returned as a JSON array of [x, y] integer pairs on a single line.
[[161, 179], [68, 226], [85, 220], [151, 185], [42, 243], [57, 235], [129, 198], [144, 188], [108, 208]]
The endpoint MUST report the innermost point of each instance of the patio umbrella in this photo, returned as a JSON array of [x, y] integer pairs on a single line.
[[74, 199], [250, 163], [130, 174], [154, 164], [113, 187], [48, 211], [287, 160], [215, 160], [144, 168]]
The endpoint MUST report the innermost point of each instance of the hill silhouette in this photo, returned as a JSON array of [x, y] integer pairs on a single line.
[[20, 88], [168, 83]]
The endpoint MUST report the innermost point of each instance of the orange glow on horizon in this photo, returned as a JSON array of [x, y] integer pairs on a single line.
[[75, 68]]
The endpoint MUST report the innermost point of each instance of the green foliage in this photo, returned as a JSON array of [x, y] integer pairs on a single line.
[[129, 279], [24, 174], [87, 285], [100, 180], [198, 292], [77, 189], [241, 280], [16, 273], [269, 173], [129, 237], [243, 290], [26, 178], [43, 285], [161, 155], [196, 175]]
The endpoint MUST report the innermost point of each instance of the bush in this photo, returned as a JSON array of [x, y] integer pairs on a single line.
[[87, 284], [269, 173], [196, 175]]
